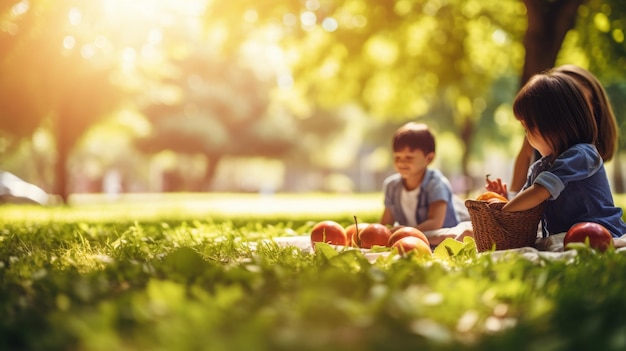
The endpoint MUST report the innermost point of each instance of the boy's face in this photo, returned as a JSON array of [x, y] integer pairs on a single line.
[[411, 163]]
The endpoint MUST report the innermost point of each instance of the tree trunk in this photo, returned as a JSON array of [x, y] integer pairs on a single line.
[[213, 161], [467, 135], [548, 23], [61, 177]]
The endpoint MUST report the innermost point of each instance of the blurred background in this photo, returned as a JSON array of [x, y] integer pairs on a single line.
[[280, 96]]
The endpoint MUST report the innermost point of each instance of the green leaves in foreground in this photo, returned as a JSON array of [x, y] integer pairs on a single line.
[[456, 250], [217, 286]]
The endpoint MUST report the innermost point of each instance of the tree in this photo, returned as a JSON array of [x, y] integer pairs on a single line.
[[399, 60], [410, 59], [548, 23], [220, 108], [600, 34], [47, 76], [596, 34]]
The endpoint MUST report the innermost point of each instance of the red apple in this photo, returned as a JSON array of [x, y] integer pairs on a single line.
[[329, 232], [412, 243], [404, 232], [351, 233], [394, 228], [599, 237], [374, 234]]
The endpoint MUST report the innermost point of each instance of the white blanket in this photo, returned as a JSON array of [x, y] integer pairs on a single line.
[[545, 248]]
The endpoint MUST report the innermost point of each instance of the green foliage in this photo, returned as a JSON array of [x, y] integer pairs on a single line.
[[601, 31], [397, 59], [272, 78], [209, 284]]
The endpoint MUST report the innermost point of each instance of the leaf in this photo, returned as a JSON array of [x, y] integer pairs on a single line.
[[580, 247], [186, 261], [448, 248], [469, 248], [325, 250], [451, 248], [351, 260]]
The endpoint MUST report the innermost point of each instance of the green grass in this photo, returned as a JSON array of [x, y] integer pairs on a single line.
[[178, 207], [198, 273]]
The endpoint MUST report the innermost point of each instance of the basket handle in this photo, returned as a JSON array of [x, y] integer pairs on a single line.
[[502, 233]]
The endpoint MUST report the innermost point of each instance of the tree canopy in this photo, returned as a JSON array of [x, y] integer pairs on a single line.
[[251, 76]]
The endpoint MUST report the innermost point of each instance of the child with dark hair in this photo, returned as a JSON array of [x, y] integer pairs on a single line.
[[602, 112], [570, 175], [417, 196]]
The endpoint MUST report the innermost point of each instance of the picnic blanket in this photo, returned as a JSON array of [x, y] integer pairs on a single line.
[[544, 248]]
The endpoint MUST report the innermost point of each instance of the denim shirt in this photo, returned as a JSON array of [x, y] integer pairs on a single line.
[[435, 187], [579, 191]]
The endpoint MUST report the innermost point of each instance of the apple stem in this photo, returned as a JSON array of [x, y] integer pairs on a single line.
[[356, 223]]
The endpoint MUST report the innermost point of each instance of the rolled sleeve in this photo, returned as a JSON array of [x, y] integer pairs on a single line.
[[577, 163], [551, 182]]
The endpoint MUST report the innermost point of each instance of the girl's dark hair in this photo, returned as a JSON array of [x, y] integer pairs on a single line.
[[553, 104], [601, 109], [414, 136]]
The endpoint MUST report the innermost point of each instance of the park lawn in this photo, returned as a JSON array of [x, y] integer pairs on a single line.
[[187, 272]]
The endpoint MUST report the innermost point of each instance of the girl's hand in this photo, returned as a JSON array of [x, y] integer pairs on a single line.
[[496, 186]]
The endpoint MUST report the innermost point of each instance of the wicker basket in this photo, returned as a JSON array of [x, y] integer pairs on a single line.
[[505, 230]]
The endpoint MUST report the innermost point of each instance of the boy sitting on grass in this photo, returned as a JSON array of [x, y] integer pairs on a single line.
[[418, 196]]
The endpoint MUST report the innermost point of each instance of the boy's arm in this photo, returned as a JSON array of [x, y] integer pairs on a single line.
[[436, 216], [527, 199], [387, 218]]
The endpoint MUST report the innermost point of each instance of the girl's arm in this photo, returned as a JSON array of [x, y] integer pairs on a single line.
[[520, 169], [527, 199], [387, 218], [436, 216]]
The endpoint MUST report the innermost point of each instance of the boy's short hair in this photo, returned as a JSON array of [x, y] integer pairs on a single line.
[[414, 136]]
